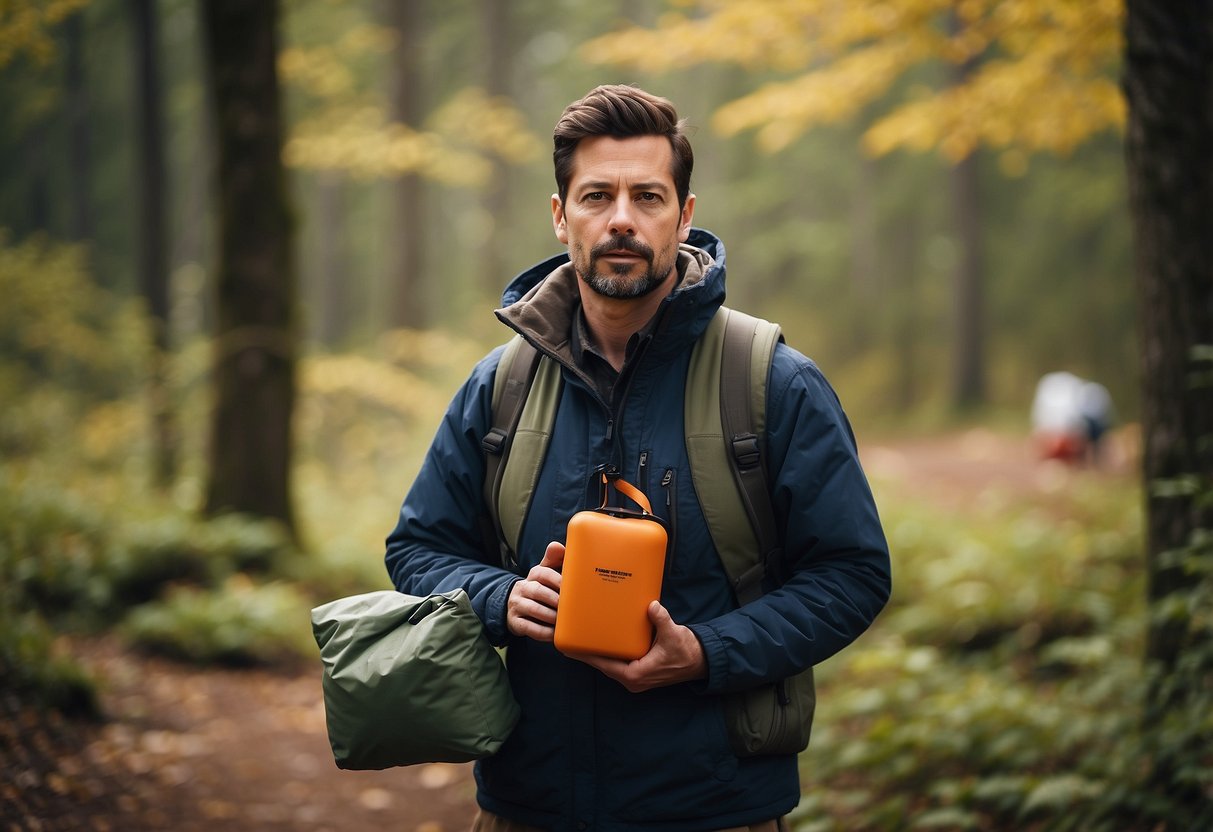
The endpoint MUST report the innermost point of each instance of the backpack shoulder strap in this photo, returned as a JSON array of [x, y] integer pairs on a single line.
[[526, 391], [725, 417]]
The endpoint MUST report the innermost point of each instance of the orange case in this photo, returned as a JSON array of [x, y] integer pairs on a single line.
[[613, 566]]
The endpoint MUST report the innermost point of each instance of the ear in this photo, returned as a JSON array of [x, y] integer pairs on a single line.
[[562, 232], [684, 222]]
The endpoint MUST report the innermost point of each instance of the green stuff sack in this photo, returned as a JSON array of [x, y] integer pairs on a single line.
[[410, 680]]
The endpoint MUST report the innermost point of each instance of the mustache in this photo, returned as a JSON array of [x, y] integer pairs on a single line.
[[622, 243]]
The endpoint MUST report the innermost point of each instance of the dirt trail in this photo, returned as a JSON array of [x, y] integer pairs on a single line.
[[955, 470], [189, 750], [193, 750]]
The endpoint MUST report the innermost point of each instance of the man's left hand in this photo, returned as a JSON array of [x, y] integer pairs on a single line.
[[676, 656]]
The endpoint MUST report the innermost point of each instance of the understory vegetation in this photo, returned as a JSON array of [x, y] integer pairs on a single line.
[[1002, 688]]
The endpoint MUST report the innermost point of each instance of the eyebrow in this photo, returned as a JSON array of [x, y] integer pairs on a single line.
[[603, 185]]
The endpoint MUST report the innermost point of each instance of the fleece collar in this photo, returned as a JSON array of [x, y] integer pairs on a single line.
[[542, 302]]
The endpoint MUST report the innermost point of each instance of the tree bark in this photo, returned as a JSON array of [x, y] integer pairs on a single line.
[[255, 328], [81, 229], [1168, 82], [332, 273], [969, 387], [153, 238], [968, 345], [408, 305]]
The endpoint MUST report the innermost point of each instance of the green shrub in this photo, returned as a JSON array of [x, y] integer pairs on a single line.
[[176, 548], [239, 624], [51, 548], [34, 669], [60, 553], [1015, 576]]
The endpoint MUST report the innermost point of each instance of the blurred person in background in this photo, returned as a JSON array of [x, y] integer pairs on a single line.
[[1070, 417]]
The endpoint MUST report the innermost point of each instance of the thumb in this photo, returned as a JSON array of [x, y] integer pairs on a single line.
[[553, 556], [659, 616]]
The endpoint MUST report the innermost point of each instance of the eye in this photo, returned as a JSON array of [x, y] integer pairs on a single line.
[[648, 196], [595, 196]]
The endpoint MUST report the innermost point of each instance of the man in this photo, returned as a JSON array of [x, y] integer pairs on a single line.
[[604, 743]]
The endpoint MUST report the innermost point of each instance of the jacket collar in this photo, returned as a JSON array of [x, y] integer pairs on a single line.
[[542, 301]]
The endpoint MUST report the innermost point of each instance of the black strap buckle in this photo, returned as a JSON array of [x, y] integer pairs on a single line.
[[494, 442], [746, 451]]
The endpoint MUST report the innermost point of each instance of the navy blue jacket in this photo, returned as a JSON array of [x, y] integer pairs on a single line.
[[587, 754]]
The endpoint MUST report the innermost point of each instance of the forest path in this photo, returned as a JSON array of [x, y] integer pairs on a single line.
[[190, 749]]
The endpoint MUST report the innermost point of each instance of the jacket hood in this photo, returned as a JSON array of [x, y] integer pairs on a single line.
[[540, 302]]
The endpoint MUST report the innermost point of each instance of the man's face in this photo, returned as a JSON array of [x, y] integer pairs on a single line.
[[621, 219]]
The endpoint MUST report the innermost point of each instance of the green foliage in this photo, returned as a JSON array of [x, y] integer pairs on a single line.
[[56, 322], [1019, 576], [65, 343], [240, 623], [68, 563], [179, 548], [62, 555], [33, 665], [1002, 689], [51, 545], [1179, 708]]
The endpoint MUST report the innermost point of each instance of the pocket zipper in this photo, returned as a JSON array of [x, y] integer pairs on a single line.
[[671, 505]]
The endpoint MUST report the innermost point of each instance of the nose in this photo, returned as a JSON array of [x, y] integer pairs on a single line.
[[622, 221]]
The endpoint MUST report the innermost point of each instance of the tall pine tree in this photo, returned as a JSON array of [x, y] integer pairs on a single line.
[[255, 332]]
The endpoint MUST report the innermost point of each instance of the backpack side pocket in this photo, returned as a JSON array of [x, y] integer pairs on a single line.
[[776, 718]]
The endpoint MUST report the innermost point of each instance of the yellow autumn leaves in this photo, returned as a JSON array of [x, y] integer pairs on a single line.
[[1039, 74], [348, 131], [27, 27]]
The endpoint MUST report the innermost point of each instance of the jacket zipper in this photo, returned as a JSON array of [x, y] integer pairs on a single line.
[[615, 408], [642, 472], [671, 512]]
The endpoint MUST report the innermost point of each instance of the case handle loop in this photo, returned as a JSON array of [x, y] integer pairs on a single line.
[[625, 488]]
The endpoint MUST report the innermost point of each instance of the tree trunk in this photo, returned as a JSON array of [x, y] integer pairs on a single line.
[[153, 238], [906, 324], [332, 273], [968, 361], [255, 331], [1168, 83], [408, 305], [81, 224], [969, 344], [499, 50], [865, 253]]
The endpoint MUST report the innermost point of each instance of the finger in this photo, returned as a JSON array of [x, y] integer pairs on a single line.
[[526, 618], [553, 556], [543, 585], [535, 610], [534, 630]]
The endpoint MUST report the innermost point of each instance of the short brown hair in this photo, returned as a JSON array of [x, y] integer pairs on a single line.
[[621, 111]]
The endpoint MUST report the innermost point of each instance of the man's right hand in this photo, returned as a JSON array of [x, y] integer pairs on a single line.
[[531, 609]]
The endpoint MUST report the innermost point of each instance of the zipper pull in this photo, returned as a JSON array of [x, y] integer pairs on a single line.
[[666, 479], [610, 429]]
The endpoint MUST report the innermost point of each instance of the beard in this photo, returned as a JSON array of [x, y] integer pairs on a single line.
[[614, 281]]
